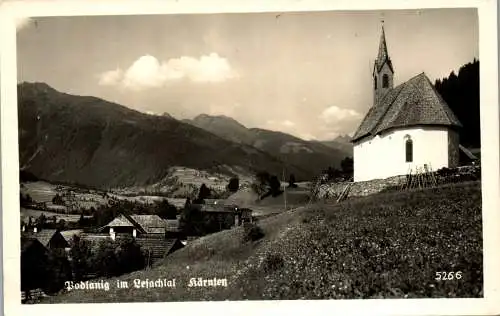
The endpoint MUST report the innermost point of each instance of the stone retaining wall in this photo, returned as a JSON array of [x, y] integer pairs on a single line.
[[363, 188], [330, 191]]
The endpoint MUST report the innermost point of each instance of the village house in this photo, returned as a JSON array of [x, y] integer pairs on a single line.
[[151, 226], [52, 239], [228, 215], [409, 126], [156, 236]]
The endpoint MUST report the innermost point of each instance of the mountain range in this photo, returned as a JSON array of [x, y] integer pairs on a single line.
[[89, 141]]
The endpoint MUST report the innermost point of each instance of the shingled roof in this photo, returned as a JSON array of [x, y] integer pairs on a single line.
[[415, 102], [149, 224]]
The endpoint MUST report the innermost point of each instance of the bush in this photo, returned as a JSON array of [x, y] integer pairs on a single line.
[[253, 233]]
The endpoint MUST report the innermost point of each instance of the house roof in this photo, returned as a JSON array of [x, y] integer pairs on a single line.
[[158, 248], [120, 221], [29, 241], [219, 208], [44, 236], [415, 102], [150, 223], [68, 234]]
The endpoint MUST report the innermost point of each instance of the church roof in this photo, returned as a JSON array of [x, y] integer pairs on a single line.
[[383, 55], [415, 102]]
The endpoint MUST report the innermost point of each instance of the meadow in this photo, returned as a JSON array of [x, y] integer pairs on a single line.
[[387, 245]]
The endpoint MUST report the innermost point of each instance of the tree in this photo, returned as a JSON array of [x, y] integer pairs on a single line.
[[202, 194], [261, 183], [461, 93], [61, 225], [25, 199], [42, 220], [188, 203], [166, 210], [275, 186], [81, 221], [80, 254], [57, 200], [191, 221], [104, 260], [347, 165], [291, 181], [129, 256], [59, 271], [233, 185]]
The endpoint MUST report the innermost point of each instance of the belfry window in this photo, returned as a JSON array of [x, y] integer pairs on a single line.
[[375, 83], [409, 150], [385, 81]]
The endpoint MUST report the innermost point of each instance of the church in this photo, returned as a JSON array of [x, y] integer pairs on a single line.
[[409, 126]]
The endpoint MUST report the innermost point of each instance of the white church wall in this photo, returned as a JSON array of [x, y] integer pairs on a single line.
[[384, 155]]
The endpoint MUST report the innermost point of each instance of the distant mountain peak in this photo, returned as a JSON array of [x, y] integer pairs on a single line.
[[343, 138], [216, 119]]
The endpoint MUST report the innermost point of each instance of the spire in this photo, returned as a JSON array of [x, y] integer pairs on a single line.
[[382, 49], [383, 55]]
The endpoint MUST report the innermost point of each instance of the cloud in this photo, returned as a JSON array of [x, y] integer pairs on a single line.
[[110, 78], [148, 72], [335, 114], [335, 121]]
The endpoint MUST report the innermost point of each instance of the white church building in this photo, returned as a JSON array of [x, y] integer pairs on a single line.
[[409, 126]]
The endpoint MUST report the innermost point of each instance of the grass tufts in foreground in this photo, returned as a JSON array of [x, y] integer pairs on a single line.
[[388, 245]]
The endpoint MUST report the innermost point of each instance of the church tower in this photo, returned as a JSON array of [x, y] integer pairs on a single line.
[[383, 72]]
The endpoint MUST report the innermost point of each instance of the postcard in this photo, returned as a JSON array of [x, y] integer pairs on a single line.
[[250, 157]]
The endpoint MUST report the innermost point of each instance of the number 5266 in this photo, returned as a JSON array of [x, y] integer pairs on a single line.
[[448, 276]]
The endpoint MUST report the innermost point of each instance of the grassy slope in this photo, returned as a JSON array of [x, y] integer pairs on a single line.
[[385, 245]]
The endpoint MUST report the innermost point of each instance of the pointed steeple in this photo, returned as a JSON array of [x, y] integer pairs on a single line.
[[383, 73], [383, 55]]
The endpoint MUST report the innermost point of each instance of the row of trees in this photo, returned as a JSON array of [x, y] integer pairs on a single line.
[[345, 173], [461, 93]]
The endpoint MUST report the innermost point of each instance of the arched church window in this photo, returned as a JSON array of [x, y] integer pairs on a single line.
[[375, 83], [385, 81], [409, 150]]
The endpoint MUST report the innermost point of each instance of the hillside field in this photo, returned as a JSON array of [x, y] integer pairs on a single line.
[[389, 245]]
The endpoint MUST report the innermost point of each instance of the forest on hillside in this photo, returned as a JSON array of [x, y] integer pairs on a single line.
[[461, 92]]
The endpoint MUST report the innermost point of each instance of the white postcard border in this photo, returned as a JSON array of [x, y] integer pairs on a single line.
[[488, 56]]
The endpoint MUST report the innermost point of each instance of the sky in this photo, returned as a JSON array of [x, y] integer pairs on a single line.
[[308, 74]]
